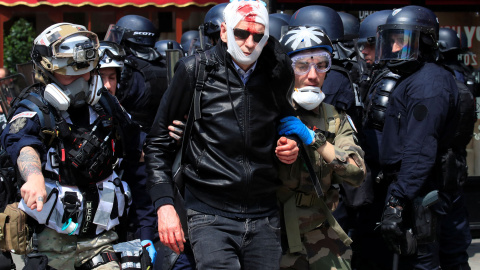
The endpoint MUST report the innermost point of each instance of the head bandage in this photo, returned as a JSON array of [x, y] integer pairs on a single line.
[[251, 11]]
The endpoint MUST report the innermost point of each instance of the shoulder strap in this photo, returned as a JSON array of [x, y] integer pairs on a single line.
[[195, 105]]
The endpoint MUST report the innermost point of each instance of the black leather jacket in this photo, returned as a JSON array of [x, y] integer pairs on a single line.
[[230, 156]]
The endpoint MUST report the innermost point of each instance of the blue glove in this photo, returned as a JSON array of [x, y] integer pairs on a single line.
[[292, 125], [152, 252]]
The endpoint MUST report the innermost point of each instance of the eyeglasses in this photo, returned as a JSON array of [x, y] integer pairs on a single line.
[[244, 34], [303, 63]]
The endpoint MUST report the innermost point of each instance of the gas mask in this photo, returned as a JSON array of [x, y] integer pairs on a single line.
[[308, 97], [76, 94]]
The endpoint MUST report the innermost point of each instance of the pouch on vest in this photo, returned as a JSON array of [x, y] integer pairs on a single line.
[[133, 255], [14, 235]]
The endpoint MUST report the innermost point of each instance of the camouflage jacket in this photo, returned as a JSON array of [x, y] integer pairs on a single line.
[[295, 177]]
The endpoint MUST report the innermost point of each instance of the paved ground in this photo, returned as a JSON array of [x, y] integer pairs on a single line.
[[474, 253]]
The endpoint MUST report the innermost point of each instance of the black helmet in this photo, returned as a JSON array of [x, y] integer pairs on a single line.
[[162, 45], [133, 28], [368, 27], [305, 37], [464, 41], [283, 16], [351, 25], [190, 41], [415, 30], [448, 40], [213, 19], [275, 25], [322, 17]]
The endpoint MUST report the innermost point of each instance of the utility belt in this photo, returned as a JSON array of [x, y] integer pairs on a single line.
[[86, 211]]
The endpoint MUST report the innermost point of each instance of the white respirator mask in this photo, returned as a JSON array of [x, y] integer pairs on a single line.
[[308, 97]]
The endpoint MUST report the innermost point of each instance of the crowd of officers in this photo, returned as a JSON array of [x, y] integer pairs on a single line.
[[304, 141]]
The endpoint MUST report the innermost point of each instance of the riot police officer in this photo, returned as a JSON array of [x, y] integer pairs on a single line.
[[212, 22], [144, 77], [365, 203], [66, 135], [419, 130]]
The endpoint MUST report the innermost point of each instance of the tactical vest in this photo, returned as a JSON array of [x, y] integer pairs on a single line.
[[141, 99], [85, 196], [381, 89]]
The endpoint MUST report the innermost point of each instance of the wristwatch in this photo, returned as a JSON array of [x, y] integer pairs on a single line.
[[394, 202], [320, 140]]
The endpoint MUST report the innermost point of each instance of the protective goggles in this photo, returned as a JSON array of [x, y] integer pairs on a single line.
[[303, 63], [82, 52], [244, 34], [109, 48]]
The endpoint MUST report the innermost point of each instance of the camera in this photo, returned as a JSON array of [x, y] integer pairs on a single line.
[[84, 52]]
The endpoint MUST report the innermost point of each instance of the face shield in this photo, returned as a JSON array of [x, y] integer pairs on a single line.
[[115, 33], [397, 44]]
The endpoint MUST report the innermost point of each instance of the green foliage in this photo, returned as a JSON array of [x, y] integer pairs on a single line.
[[18, 44]]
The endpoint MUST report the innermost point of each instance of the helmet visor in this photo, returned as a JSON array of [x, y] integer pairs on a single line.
[[114, 33], [397, 44]]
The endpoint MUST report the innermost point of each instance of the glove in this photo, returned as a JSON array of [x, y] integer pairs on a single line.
[[148, 245], [292, 125], [391, 228]]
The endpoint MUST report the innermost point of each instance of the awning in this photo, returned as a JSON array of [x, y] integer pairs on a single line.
[[114, 3]]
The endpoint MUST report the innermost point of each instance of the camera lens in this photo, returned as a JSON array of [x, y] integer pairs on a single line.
[[90, 54]]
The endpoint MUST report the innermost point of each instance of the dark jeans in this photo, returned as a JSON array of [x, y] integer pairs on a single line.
[[225, 243]]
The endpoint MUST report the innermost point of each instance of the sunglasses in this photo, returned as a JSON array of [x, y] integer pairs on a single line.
[[244, 34], [320, 61]]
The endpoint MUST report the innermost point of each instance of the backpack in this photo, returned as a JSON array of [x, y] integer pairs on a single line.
[[453, 160]]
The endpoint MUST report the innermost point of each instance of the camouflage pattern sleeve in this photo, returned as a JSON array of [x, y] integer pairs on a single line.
[[345, 146]]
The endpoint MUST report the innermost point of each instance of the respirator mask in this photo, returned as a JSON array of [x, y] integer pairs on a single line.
[[76, 94], [308, 97]]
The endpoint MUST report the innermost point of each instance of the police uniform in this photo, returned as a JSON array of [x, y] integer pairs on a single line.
[[100, 202], [418, 128], [321, 245]]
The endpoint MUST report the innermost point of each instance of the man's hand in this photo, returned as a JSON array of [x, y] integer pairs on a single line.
[[33, 191], [170, 229], [287, 150], [176, 130], [391, 227], [291, 125]]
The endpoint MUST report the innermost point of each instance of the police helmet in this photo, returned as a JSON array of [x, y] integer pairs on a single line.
[[67, 49], [464, 41], [162, 45], [322, 17], [275, 25], [213, 19], [406, 31], [351, 25], [368, 28], [283, 16], [134, 29], [305, 37], [111, 54], [448, 40]]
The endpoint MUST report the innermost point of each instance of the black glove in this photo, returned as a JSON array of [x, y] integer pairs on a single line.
[[391, 227]]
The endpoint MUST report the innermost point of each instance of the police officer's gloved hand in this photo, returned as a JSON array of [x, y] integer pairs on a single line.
[[391, 227], [148, 245], [291, 125]]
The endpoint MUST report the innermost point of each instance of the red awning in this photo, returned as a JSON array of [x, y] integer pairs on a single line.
[[115, 3]]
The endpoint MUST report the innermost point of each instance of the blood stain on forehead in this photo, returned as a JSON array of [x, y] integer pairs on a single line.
[[247, 12]]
